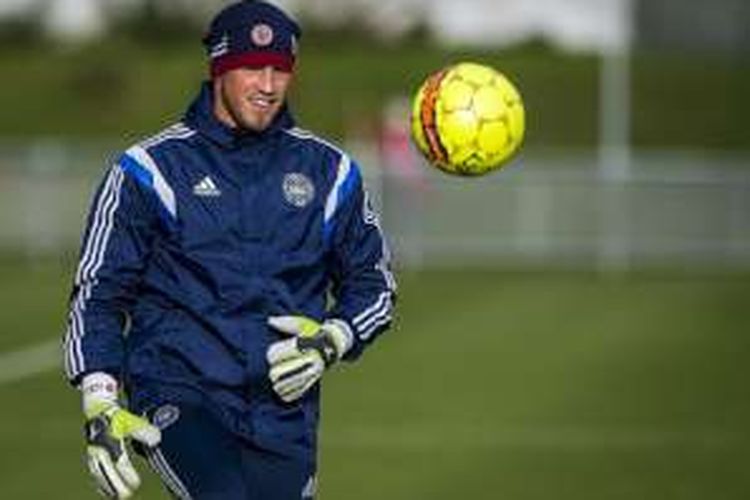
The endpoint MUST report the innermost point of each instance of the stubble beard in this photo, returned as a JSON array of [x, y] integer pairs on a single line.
[[254, 122]]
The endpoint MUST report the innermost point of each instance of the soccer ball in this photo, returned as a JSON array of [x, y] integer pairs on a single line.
[[467, 119]]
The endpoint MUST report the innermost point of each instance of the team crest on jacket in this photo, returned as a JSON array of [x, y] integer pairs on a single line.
[[299, 190]]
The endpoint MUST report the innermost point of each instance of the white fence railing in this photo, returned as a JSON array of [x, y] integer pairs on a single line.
[[547, 209]]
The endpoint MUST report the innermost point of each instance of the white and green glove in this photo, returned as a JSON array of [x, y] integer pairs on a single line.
[[107, 427], [297, 363]]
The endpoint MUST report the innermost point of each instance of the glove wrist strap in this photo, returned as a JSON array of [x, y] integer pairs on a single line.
[[99, 391], [341, 334]]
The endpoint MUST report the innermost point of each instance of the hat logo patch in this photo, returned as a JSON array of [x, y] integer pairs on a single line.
[[262, 35], [298, 189]]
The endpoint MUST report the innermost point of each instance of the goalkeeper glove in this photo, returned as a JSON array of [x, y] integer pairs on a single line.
[[107, 427], [297, 363]]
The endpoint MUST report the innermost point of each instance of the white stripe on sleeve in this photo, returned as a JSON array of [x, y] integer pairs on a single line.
[[91, 261]]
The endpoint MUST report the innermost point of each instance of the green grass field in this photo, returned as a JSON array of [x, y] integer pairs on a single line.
[[492, 385]]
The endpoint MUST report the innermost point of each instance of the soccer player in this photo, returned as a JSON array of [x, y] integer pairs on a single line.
[[227, 263]]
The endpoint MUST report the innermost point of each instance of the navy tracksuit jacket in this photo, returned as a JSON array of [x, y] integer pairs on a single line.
[[194, 238]]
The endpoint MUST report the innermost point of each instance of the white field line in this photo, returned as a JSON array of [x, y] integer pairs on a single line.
[[30, 361]]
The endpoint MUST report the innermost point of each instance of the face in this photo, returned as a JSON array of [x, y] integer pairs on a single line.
[[250, 98]]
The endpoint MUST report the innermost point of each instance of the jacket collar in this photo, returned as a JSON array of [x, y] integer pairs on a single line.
[[200, 116]]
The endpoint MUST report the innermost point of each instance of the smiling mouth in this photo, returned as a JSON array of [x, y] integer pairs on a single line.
[[262, 102]]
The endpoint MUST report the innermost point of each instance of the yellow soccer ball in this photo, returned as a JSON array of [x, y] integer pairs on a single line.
[[467, 119]]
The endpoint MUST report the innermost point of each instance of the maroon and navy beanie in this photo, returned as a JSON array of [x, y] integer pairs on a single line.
[[251, 33]]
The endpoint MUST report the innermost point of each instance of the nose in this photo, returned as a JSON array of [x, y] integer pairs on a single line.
[[266, 79]]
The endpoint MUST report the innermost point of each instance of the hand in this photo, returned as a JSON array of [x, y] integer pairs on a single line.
[[107, 427], [297, 363]]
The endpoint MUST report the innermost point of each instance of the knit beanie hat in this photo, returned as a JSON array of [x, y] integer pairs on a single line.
[[251, 33]]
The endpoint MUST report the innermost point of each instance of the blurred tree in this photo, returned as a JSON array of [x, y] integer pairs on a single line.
[[22, 29], [157, 22], [678, 25]]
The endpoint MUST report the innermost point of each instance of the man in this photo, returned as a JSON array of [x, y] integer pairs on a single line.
[[227, 262]]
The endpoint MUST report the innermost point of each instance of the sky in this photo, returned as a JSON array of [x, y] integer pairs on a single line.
[[572, 24], [67, 17], [12, 6]]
